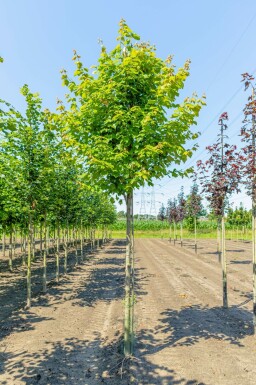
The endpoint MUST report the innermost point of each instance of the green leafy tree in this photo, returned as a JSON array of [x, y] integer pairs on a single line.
[[24, 145], [126, 121], [239, 216]]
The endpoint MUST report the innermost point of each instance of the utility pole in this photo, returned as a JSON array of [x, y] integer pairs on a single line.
[[152, 211]]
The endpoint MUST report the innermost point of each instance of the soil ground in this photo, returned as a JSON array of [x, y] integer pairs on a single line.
[[183, 336]]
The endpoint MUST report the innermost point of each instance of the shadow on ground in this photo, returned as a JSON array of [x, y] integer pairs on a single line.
[[13, 290], [188, 326], [81, 362]]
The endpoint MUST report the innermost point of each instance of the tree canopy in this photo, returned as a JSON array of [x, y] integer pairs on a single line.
[[125, 119]]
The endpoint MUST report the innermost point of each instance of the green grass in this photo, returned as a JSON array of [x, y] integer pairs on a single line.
[[205, 234]]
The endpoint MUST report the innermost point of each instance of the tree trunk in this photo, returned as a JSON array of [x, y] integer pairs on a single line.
[[10, 249], [33, 242], [195, 227], [254, 261], [58, 254], [132, 304], [224, 264], [41, 239], [44, 254], [24, 249], [30, 237], [14, 242], [128, 328], [81, 243], [219, 238], [170, 232], [66, 250], [75, 245], [4, 243]]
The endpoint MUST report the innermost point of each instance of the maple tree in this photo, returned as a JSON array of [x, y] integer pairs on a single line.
[[126, 122]]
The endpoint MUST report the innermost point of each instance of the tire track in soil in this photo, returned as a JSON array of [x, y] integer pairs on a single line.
[[72, 338], [183, 335], [239, 268], [212, 282]]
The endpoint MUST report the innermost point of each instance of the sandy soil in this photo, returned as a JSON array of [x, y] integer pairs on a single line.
[[183, 336]]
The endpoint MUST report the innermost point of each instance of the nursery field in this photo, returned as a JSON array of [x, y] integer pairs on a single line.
[[73, 334], [235, 235]]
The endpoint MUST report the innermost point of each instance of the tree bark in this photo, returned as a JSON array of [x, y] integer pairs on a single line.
[[219, 238], [30, 237], [4, 243], [10, 249], [41, 239], [254, 261], [128, 328], [181, 233], [81, 242], [224, 263], [44, 254], [58, 254], [195, 227]]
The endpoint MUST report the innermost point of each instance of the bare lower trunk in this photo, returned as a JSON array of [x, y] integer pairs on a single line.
[[58, 254], [66, 250], [195, 227], [41, 239], [10, 248], [254, 261], [224, 263], [129, 268], [4, 243], [30, 237], [14, 243], [181, 234], [44, 255], [33, 242], [75, 243], [81, 243], [132, 285], [219, 238]]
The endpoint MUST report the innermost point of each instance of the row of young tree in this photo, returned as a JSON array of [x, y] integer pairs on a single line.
[[127, 124], [238, 217], [184, 208], [221, 175], [42, 190]]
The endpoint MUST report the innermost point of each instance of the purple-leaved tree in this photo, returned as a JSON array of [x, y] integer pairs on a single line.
[[193, 207], [248, 136], [220, 177]]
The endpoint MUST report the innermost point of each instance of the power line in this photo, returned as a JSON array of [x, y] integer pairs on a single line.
[[231, 51], [142, 212], [204, 150]]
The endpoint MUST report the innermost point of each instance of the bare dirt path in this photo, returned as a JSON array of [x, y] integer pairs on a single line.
[[72, 335], [183, 334]]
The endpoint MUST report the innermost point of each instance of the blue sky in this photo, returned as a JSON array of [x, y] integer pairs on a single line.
[[38, 37]]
